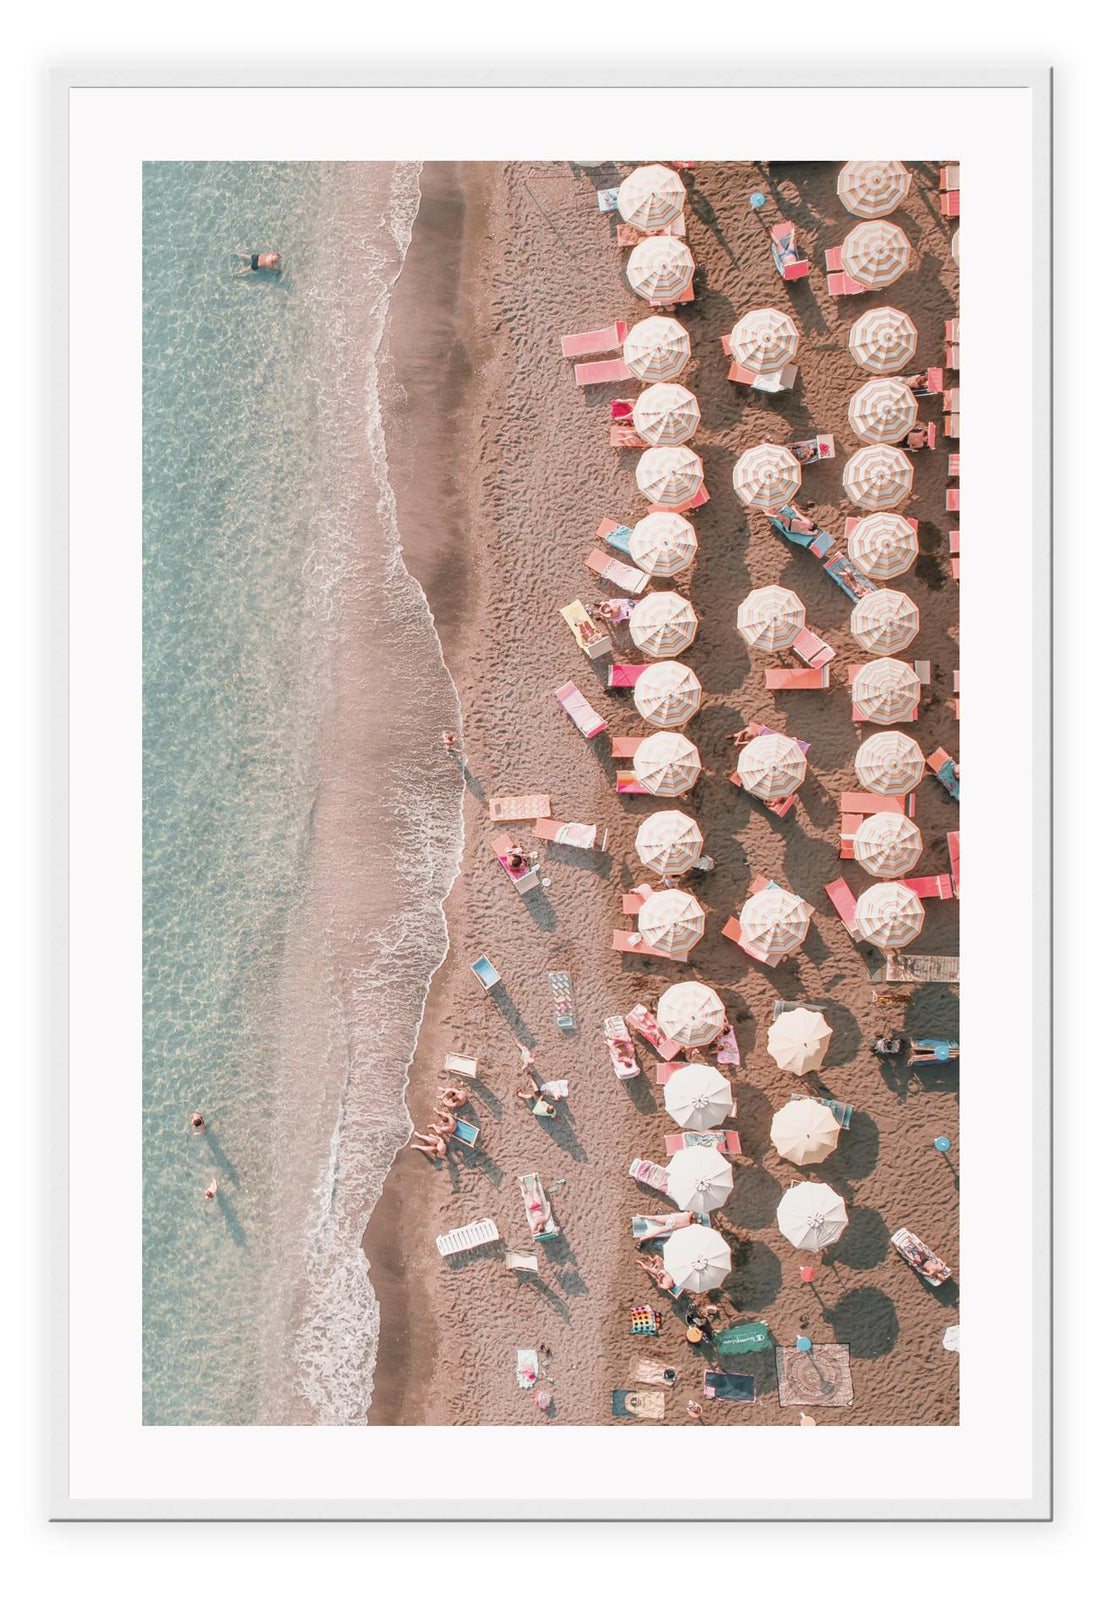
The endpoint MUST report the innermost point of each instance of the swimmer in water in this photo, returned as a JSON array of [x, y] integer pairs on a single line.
[[255, 262], [212, 1188], [198, 1124]]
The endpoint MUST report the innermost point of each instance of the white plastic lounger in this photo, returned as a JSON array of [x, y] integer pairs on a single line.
[[473, 1236], [520, 1260], [459, 1064]]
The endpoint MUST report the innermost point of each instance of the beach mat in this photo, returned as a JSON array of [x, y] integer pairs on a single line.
[[818, 1377], [645, 1320], [729, 1386], [648, 1403], [742, 1339], [647, 1371]]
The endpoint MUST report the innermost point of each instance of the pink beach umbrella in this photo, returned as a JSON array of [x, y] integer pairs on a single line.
[[883, 410], [691, 1013], [877, 477], [662, 625], [766, 476], [663, 543], [651, 197], [883, 340], [667, 694], [666, 764], [669, 477], [672, 921], [770, 618], [889, 916], [873, 189], [883, 545], [775, 921], [887, 845], [772, 766], [890, 763], [668, 842], [656, 349], [660, 269], [667, 414], [886, 690], [875, 254], [764, 340], [885, 622]]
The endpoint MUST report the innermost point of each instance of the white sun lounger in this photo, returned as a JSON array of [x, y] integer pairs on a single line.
[[520, 1260], [459, 1064], [473, 1236]]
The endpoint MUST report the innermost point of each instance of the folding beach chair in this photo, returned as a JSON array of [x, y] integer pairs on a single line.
[[583, 715], [459, 1064], [485, 972], [812, 650], [523, 880], [789, 262], [840, 894]]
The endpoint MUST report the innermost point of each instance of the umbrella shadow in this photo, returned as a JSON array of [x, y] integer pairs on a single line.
[[866, 1321], [865, 1242], [755, 1198], [757, 1276]]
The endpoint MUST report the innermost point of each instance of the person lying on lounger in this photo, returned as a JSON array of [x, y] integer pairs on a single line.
[[918, 437], [431, 1143], [517, 860], [804, 525], [653, 1266]]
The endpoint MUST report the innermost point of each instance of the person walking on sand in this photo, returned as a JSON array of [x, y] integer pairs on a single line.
[[255, 262], [212, 1188], [198, 1124]]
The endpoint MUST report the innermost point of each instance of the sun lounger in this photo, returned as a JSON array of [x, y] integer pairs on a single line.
[[949, 203], [649, 1174], [953, 856], [594, 341], [731, 929], [518, 808], [466, 1133], [944, 768], [608, 200], [847, 576], [841, 1111], [931, 886], [668, 1068], [932, 1050], [949, 176], [616, 534], [582, 836], [866, 802], [485, 972], [743, 1338], [561, 995], [624, 748], [726, 1051], [631, 941], [916, 969], [839, 283], [584, 716], [934, 386], [645, 1227], [520, 1260], [789, 678], [917, 1254], [642, 1019], [779, 381], [816, 449], [633, 899], [951, 501], [626, 783], [613, 571], [818, 543], [702, 497], [536, 1204], [523, 879], [624, 675], [474, 1236], [840, 894], [591, 639], [620, 1048], [781, 1007], [951, 344], [812, 650], [953, 464], [601, 371], [729, 1386], [789, 261], [459, 1064], [726, 1142]]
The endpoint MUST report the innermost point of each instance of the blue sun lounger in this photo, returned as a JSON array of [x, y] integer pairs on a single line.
[[485, 972], [932, 1050], [464, 1132], [818, 543]]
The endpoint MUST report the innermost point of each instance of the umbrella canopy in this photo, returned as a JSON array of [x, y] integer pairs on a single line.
[[805, 1131], [775, 921], [886, 690], [660, 269], [883, 340], [883, 545], [799, 1039], [668, 842], [656, 349], [663, 543], [669, 477], [672, 921], [691, 1013], [766, 476], [764, 340], [887, 845], [771, 766], [666, 764], [770, 618], [891, 763], [883, 410], [667, 694], [955, 248], [698, 1258], [874, 254], [872, 189], [699, 1179], [651, 197], [889, 916], [669, 414], [811, 1215], [876, 477], [885, 621], [663, 624], [698, 1097]]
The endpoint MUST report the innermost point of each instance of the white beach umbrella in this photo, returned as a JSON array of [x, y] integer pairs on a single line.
[[883, 410], [885, 621], [775, 921], [672, 921], [699, 1179], [887, 845], [660, 269], [698, 1097], [878, 476], [771, 618], [666, 764], [764, 340], [667, 694], [656, 349], [691, 1013], [799, 1039], [886, 690], [651, 197], [766, 476], [669, 477], [889, 916], [667, 414], [663, 543], [811, 1216], [771, 766], [890, 763], [883, 340], [805, 1131], [875, 254], [883, 545], [872, 189], [668, 842], [698, 1258], [663, 624]]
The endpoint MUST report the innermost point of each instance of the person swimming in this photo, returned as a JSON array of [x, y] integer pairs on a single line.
[[257, 262]]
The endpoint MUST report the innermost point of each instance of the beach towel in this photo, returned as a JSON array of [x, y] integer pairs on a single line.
[[742, 1339], [951, 1338], [648, 1371], [645, 1320], [818, 1377], [527, 1368], [648, 1403], [728, 1386]]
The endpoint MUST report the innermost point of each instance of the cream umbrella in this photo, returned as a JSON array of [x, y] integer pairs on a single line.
[[872, 189], [886, 690], [883, 545], [667, 414], [876, 477], [885, 621], [671, 921], [660, 269], [668, 842], [698, 1258], [883, 410], [651, 197], [699, 1179], [875, 254], [663, 543], [667, 694], [698, 1097], [764, 340], [887, 845], [771, 766], [767, 476], [805, 1131], [883, 340], [656, 349], [889, 916], [669, 477], [666, 764], [691, 1014], [663, 624], [775, 921], [770, 618], [811, 1216], [890, 763], [799, 1039]]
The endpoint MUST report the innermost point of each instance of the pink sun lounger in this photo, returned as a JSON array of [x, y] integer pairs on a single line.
[[649, 1174], [620, 1048], [601, 372], [840, 894], [790, 677], [624, 748], [812, 650], [585, 716], [642, 1019], [633, 900], [952, 501], [789, 262], [866, 802], [731, 929], [779, 381], [935, 886], [840, 284], [953, 856], [624, 674], [631, 941], [726, 1142], [626, 783], [582, 836], [585, 342], [524, 880], [954, 541]]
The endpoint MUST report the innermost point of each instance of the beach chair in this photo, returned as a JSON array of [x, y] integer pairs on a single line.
[[624, 675], [951, 344], [476, 1235], [944, 768], [848, 577], [931, 887], [951, 501], [583, 715], [702, 497], [601, 372], [842, 1112], [616, 534], [786, 678], [953, 857], [731, 929], [520, 1260], [466, 1133], [666, 1069], [726, 1051], [858, 715], [840, 284], [536, 1207], [523, 879], [645, 1227], [581, 836], [643, 1020], [726, 1142], [780, 1007], [610, 570], [591, 639], [626, 783], [811, 650], [932, 1050], [625, 747], [779, 381], [594, 341], [949, 203], [917, 1254], [840, 894], [621, 434], [866, 802], [953, 539], [620, 1048], [933, 385], [818, 543], [518, 808], [789, 262], [459, 1064], [561, 996], [953, 464], [485, 972], [649, 1174], [608, 200], [816, 449], [631, 941]]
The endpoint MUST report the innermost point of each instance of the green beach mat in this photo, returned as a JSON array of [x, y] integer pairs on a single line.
[[742, 1339]]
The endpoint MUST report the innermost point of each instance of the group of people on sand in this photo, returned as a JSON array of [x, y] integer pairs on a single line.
[[433, 1141]]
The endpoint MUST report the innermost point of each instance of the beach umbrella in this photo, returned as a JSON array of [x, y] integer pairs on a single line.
[[770, 618], [699, 1179], [667, 694], [883, 545], [883, 410], [771, 766], [889, 915], [876, 477], [668, 414], [663, 624], [669, 477], [887, 845], [955, 248], [666, 764], [698, 1097], [656, 349], [872, 189], [663, 543], [883, 340], [890, 763], [766, 476], [764, 340], [811, 1215], [805, 1131], [886, 690], [885, 621], [671, 921], [668, 842], [660, 268], [698, 1258], [775, 921], [875, 254], [799, 1039], [651, 197], [691, 1014]]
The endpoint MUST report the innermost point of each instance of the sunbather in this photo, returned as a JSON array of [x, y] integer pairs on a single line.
[[446, 1126], [454, 1097], [805, 525], [431, 1144], [918, 437], [742, 737], [517, 860], [804, 452], [653, 1266]]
